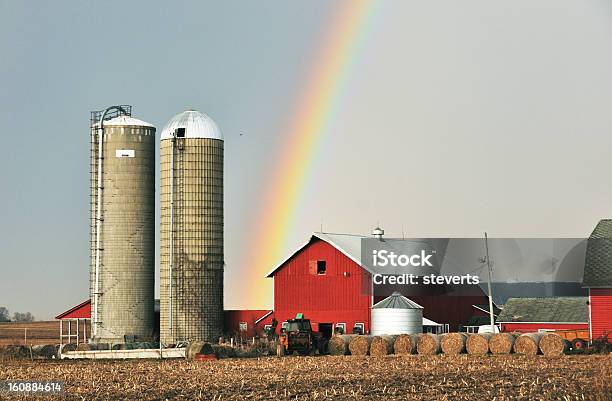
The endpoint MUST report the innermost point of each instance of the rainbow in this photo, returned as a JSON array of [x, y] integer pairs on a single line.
[[306, 133]]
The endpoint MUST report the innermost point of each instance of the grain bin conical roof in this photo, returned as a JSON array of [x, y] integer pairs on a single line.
[[396, 301]]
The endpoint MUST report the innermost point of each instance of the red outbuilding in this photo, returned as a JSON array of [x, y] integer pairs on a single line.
[[598, 279], [528, 315], [246, 323], [325, 280], [75, 323]]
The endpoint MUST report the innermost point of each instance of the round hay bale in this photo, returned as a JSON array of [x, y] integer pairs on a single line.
[[382, 345], [48, 351], [198, 347], [453, 343], [478, 344], [68, 348], [552, 344], [83, 347], [527, 344], [405, 344], [360, 345], [124, 346], [17, 351], [36, 349], [223, 351], [501, 343], [428, 344], [339, 345]]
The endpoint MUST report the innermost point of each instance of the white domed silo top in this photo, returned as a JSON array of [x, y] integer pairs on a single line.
[[125, 121], [196, 124], [397, 314]]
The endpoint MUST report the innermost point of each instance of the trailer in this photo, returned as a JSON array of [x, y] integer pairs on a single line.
[[579, 339]]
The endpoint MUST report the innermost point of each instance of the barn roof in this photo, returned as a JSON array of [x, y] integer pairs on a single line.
[[73, 309], [545, 310], [598, 263], [348, 244], [396, 301]]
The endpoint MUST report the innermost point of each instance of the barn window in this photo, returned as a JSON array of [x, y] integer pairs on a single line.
[[359, 328], [321, 267], [340, 328]]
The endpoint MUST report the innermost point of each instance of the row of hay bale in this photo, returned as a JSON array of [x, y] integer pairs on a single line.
[[549, 344], [220, 351], [46, 351], [105, 346]]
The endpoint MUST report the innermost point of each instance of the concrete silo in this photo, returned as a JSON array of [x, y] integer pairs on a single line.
[[191, 242], [122, 225]]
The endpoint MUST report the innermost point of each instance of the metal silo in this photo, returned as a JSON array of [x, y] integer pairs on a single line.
[[122, 225], [191, 242], [397, 314]]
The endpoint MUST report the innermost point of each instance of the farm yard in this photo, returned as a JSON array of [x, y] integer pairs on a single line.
[[29, 333], [442, 377]]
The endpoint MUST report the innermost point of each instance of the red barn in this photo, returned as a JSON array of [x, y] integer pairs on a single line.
[[325, 280], [528, 315], [598, 279]]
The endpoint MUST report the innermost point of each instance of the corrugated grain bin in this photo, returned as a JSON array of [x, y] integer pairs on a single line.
[[397, 314], [191, 240], [122, 235]]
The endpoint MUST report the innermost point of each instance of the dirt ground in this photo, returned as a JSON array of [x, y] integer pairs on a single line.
[[315, 378]]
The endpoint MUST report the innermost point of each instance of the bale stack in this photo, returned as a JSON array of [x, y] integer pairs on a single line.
[[478, 344], [501, 343], [453, 343], [527, 344], [339, 345], [360, 345], [382, 345], [428, 344], [552, 344], [405, 344]]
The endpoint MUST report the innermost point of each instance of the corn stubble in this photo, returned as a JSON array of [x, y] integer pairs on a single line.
[[462, 377]]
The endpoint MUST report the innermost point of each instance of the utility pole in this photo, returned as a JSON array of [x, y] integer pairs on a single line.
[[491, 316]]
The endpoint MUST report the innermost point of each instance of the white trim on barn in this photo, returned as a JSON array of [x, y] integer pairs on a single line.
[[542, 322]]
